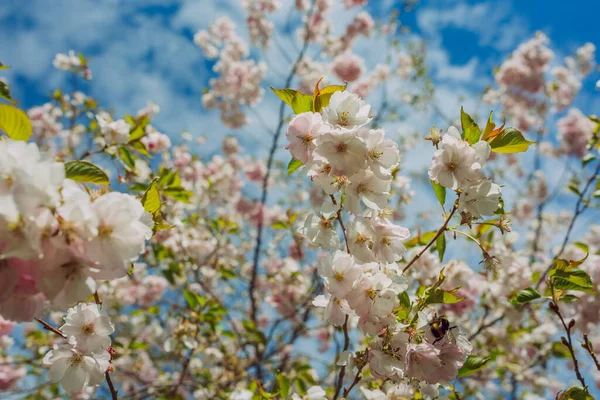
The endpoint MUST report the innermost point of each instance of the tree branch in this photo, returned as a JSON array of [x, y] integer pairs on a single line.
[[432, 241], [568, 341], [340, 380], [590, 349], [263, 199], [50, 328]]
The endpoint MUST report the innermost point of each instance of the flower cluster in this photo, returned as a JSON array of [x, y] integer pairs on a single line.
[[361, 25], [525, 81], [259, 26], [458, 165], [72, 62], [56, 238], [565, 80], [84, 360], [348, 67], [239, 78], [574, 132], [343, 156]]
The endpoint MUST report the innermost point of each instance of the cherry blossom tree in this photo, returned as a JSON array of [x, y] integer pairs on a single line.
[[133, 268]]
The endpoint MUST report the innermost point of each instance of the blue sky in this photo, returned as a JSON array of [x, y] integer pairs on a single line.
[[142, 49]]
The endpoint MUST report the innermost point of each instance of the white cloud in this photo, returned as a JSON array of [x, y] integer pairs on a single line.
[[494, 23]]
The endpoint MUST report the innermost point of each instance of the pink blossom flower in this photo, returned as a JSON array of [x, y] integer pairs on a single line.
[[348, 67], [302, 132]]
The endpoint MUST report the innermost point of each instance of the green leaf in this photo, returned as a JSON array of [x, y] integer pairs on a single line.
[[151, 199], [302, 103], [2, 66], [191, 299], [179, 194], [284, 386], [323, 96], [14, 122], [510, 140], [587, 159], [440, 244], [299, 102], [472, 365], [5, 92], [126, 157], [331, 89], [279, 225], [440, 296], [470, 130], [489, 126], [575, 279], [227, 274], [559, 350], [525, 296], [440, 192], [420, 239], [576, 393], [161, 225], [86, 172], [287, 95], [136, 133], [293, 166], [140, 148]]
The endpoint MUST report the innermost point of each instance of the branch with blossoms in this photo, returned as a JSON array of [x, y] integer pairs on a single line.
[[106, 212], [329, 141]]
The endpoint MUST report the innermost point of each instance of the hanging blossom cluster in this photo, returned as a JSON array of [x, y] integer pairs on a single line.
[[72, 62], [238, 83], [56, 238], [82, 361], [574, 132], [457, 165], [519, 79], [343, 157], [260, 27], [527, 86]]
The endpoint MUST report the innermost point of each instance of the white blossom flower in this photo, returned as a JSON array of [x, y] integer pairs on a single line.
[[360, 238], [345, 151], [382, 154], [114, 132], [76, 370], [319, 227], [313, 393], [480, 199], [347, 110], [340, 273], [336, 309], [89, 326], [123, 228], [456, 163], [302, 131], [367, 187], [388, 245]]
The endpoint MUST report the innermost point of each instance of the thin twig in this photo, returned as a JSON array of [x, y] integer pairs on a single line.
[[111, 386], [184, 370], [590, 349], [357, 379], [580, 207], [340, 380], [263, 201], [568, 341], [341, 221], [484, 326], [50, 328], [432, 241]]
